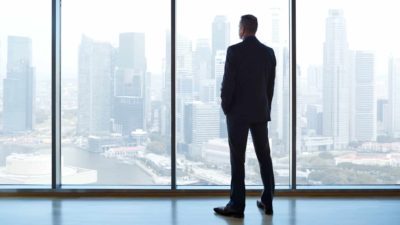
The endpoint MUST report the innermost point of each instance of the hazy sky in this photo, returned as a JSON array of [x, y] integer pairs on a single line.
[[371, 25]]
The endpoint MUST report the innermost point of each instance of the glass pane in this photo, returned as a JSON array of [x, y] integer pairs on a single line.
[[115, 92], [348, 92], [202, 145], [25, 95]]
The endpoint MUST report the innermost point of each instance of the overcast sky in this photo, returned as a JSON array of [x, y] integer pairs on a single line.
[[371, 25]]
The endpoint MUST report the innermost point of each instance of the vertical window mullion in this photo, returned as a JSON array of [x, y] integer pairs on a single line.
[[55, 93], [293, 72], [173, 97]]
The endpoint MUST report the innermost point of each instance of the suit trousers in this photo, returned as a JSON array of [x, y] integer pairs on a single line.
[[237, 136]]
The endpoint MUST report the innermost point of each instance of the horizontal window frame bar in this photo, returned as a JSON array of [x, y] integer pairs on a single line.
[[137, 193]]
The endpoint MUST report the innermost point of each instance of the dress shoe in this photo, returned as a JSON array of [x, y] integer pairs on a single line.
[[227, 211], [267, 210]]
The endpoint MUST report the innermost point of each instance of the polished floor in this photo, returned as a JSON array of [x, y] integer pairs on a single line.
[[197, 211]]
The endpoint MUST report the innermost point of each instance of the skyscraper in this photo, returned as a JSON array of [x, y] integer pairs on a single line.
[[382, 117], [131, 51], [219, 65], [166, 97], [19, 86], [201, 65], [201, 124], [314, 80], [184, 81], [129, 111], [394, 97], [336, 81], [94, 87], [365, 102], [131, 94], [278, 115], [220, 36], [285, 96]]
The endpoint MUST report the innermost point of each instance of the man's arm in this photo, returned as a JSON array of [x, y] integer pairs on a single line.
[[271, 79], [228, 82]]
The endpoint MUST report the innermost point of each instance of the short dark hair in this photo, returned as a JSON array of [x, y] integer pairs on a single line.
[[249, 23]]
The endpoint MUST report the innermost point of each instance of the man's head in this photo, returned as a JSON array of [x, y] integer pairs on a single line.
[[247, 26]]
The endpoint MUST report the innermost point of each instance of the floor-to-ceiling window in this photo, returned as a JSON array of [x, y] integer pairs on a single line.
[[348, 96], [204, 31], [116, 92], [116, 61], [25, 92]]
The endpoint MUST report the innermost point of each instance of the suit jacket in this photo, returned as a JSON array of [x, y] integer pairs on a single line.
[[248, 82]]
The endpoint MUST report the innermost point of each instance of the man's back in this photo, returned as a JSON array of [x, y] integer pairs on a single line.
[[248, 84], [246, 94]]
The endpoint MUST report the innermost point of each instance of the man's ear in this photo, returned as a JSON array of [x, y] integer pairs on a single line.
[[244, 31]]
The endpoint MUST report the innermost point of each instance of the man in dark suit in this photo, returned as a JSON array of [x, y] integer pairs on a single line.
[[246, 94]]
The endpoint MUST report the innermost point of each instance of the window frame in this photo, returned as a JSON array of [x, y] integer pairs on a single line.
[[57, 187]]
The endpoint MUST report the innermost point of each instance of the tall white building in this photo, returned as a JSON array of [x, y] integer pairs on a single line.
[[131, 102], [336, 81], [94, 87], [219, 65], [205, 122], [314, 82], [220, 36], [19, 86], [365, 100], [165, 114], [207, 90], [394, 97], [201, 124], [184, 81], [201, 64], [279, 125]]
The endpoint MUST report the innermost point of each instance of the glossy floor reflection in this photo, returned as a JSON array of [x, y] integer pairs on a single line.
[[193, 211]]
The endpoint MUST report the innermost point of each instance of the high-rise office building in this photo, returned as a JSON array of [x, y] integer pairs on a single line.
[[394, 97], [220, 33], [314, 81], [201, 65], [131, 91], [219, 65], [381, 109], [207, 91], [184, 81], [336, 81], [166, 90], [128, 102], [19, 86], [201, 125], [285, 96], [365, 102], [314, 122], [382, 117], [220, 36], [131, 51], [94, 87], [129, 113], [276, 126]]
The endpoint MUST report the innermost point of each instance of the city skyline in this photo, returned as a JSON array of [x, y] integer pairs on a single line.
[[25, 27], [110, 108], [205, 43]]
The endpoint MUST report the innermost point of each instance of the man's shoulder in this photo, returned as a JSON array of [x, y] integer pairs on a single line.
[[241, 45], [266, 47], [235, 47], [270, 51]]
